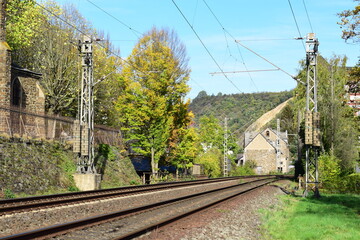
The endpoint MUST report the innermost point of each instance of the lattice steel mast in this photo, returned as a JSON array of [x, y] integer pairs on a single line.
[[85, 129], [312, 117]]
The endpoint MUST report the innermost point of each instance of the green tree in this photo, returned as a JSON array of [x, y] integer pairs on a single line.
[[339, 126], [185, 151], [23, 22], [106, 77], [211, 162], [211, 139], [152, 91], [211, 133]]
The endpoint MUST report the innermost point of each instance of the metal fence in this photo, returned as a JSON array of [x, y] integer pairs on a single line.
[[17, 122]]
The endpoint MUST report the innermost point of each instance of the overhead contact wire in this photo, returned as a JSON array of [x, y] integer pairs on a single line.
[[307, 14], [112, 16], [225, 31], [202, 43], [296, 23]]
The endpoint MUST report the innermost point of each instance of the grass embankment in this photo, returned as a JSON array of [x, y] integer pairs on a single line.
[[331, 217]]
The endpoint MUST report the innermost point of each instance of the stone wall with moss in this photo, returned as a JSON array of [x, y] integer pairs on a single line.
[[116, 168], [35, 166], [29, 166]]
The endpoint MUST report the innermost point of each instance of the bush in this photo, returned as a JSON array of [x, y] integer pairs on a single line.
[[330, 172], [73, 189], [8, 194], [352, 183], [333, 180], [211, 162], [247, 169]]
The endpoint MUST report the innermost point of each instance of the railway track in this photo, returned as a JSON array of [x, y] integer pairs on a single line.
[[11, 206], [131, 222]]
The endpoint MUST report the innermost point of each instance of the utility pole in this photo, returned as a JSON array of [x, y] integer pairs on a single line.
[[85, 123], [225, 150], [312, 117]]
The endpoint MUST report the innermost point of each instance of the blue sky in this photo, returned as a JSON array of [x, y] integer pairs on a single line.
[[266, 27]]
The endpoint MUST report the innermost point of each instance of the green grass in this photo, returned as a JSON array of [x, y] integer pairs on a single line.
[[330, 217]]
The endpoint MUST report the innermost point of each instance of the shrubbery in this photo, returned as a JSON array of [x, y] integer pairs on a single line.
[[247, 169], [333, 179], [211, 162]]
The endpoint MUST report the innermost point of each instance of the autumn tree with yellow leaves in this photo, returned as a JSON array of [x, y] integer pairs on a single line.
[[150, 109]]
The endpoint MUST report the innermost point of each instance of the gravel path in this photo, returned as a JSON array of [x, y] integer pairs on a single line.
[[237, 219]]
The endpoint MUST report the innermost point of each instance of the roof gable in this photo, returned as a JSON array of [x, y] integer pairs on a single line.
[[260, 142]]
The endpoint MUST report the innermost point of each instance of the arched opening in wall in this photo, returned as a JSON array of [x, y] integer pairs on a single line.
[[18, 97], [18, 102]]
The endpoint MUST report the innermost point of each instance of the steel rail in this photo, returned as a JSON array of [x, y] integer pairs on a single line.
[[174, 218], [53, 200], [95, 220]]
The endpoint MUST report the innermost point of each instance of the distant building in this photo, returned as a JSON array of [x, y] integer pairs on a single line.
[[268, 151], [354, 102]]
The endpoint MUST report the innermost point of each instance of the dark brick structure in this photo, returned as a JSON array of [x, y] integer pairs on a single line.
[[20, 91], [5, 62]]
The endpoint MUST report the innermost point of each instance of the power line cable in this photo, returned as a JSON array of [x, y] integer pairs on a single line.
[[297, 26], [225, 31], [307, 14], [137, 33], [223, 28], [293, 77], [202, 43], [300, 37], [191, 79], [196, 6], [242, 58]]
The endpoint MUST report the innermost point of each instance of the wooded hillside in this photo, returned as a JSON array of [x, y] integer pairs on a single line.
[[240, 109]]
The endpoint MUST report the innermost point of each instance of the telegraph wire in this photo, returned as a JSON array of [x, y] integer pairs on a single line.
[[307, 14], [202, 43], [297, 26]]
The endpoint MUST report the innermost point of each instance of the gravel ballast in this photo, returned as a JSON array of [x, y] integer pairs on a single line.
[[238, 218]]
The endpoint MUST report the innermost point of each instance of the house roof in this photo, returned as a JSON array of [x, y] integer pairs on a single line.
[[25, 72]]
